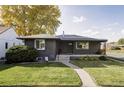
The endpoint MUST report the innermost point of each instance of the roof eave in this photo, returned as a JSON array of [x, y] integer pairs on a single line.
[[34, 38], [83, 40], [63, 39], [5, 30]]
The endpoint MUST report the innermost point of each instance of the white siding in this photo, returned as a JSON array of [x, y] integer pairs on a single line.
[[8, 36]]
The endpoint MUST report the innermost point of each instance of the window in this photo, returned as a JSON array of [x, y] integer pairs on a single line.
[[40, 44], [70, 44], [82, 45], [6, 45]]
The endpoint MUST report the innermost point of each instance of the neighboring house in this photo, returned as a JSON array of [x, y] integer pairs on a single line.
[[51, 45], [114, 46], [110, 45], [121, 47], [7, 39]]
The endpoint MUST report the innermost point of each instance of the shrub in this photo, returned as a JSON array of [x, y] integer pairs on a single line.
[[93, 58], [85, 58], [21, 53], [102, 58], [89, 58]]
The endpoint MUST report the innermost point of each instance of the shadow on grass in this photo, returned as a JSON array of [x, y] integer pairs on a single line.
[[32, 64], [96, 63], [45, 64], [88, 64], [5, 66], [111, 62], [112, 85]]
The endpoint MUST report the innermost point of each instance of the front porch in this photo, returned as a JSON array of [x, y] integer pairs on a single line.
[[65, 47], [67, 57]]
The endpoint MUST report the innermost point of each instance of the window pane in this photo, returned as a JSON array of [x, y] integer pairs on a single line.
[[82, 45], [37, 43], [40, 44]]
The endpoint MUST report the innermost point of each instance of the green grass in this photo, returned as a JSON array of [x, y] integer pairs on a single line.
[[34, 74], [105, 73]]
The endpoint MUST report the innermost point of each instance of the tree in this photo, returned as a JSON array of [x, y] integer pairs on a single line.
[[30, 20], [121, 41]]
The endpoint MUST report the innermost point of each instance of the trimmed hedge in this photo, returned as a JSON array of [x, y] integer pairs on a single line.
[[89, 58], [21, 53], [103, 58]]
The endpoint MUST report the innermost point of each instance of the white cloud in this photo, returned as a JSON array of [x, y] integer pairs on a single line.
[[94, 33], [107, 29], [79, 19], [113, 24], [113, 33], [90, 32], [95, 27], [122, 31], [87, 31]]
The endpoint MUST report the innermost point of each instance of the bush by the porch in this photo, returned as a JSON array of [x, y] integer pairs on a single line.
[[21, 53]]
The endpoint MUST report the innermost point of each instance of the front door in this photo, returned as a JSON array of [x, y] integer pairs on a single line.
[[70, 48], [66, 47]]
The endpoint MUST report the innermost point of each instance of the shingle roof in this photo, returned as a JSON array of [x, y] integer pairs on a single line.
[[44, 36], [3, 29], [77, 37], [62, 37]]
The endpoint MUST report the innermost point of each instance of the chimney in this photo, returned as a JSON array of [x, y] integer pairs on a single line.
[[63, 34]]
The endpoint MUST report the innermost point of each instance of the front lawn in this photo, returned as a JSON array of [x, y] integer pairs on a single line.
[[34, 74], [104, 73]]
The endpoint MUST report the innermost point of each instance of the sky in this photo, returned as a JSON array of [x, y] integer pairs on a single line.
[[96, 21]]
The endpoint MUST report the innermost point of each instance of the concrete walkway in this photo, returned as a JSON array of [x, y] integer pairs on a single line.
[[84, 76]]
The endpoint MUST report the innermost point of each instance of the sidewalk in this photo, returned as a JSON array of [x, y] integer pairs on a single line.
[[84, 76]]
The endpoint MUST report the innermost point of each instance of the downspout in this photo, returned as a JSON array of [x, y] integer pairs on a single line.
[[105, 48], [63, 34]]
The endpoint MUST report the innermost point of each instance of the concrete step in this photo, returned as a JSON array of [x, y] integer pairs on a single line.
[[62, 57]]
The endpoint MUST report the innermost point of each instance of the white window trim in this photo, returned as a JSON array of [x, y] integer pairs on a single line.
[[39, 48], [82, 48]]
